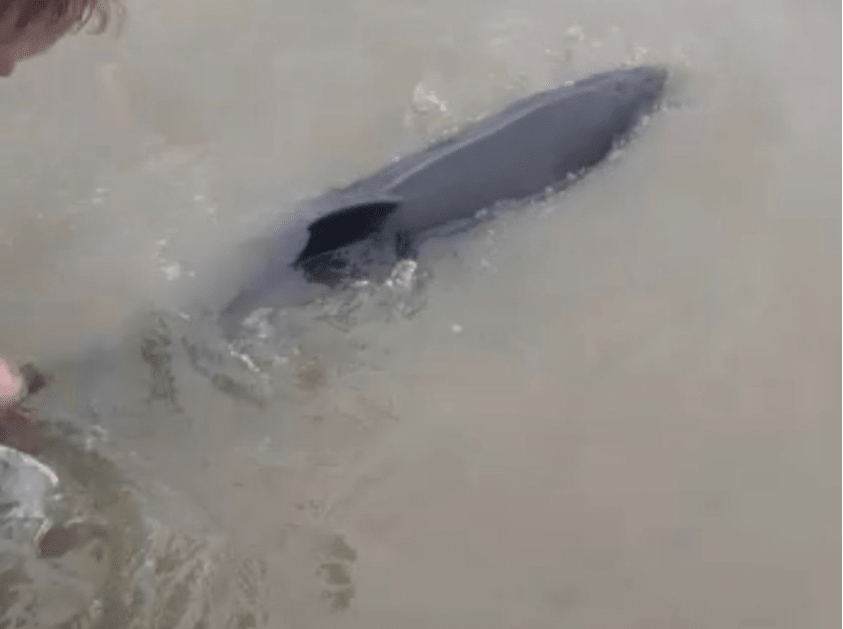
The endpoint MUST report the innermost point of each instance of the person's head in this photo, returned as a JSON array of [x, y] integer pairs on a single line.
[[29, 27]]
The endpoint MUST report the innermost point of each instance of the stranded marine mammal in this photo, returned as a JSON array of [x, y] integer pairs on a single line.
[[531, 146]]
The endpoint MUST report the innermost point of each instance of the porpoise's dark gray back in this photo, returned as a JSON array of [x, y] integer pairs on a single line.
[[532, 145]]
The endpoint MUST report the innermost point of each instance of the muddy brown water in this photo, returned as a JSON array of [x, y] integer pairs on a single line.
[[617, 408]]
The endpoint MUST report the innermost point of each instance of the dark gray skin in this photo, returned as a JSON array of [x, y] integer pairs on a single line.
[[533, 145]]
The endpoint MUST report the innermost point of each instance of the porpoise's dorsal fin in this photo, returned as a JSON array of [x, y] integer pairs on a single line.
[[350, 222]]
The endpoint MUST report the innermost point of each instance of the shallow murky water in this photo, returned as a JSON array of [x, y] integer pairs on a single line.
[[619, 407]]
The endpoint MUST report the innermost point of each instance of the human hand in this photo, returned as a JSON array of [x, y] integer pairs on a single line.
[[17, 429], [12, 384]]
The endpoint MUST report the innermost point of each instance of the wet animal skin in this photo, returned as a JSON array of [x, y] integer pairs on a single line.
[[533, 145]]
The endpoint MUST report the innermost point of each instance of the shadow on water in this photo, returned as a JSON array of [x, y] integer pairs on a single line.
[[79, 569], [90, 558]]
